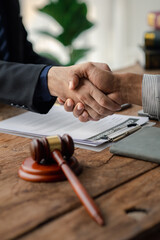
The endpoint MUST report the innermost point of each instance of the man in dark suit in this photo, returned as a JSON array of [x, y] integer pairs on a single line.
[[32, 82]]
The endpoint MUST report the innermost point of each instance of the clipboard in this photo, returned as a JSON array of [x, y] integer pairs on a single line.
[[112, 137]]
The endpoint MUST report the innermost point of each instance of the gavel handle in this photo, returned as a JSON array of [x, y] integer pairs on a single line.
[[78, 188]]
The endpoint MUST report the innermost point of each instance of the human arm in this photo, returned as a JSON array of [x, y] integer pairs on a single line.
[[20, 76], [18, 82], [129, 87], [143, 90], [132, 88], [121, 88], [79, 109], [96, 102], [118, 86], [59, 77], [151, 95], [42, 97]]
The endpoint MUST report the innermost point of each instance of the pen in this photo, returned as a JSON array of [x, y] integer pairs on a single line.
[[125, 106], [78, 188], [130, 131]]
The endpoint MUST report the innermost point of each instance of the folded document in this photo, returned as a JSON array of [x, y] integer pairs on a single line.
[[143, 144]]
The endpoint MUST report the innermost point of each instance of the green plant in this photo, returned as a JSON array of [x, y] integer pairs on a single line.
[[71, 15]]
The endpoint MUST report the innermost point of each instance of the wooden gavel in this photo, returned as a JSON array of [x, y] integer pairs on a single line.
[[43, 150], [61, 149]]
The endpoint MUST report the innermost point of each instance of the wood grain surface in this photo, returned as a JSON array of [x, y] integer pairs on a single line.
[[26, 205], [132, 208]]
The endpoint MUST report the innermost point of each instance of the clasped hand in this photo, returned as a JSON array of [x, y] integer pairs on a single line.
[[90, 90]]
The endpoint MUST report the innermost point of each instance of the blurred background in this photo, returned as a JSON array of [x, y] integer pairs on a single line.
[[117, 31]]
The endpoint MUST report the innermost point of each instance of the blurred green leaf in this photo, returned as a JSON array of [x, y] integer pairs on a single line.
[[70, 34], [71, 15], [47, 34], [77, 54]]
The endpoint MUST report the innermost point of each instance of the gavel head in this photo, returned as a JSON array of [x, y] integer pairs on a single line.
[[43, 147]]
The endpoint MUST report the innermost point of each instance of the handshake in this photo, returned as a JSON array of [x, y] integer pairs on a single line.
[[92, 91]]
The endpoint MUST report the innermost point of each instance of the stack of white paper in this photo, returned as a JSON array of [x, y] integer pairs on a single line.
[[91, 135]]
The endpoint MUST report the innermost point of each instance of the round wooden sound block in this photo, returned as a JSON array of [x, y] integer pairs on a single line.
[[35, 172]]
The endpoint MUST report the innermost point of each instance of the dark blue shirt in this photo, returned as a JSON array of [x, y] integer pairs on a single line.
[[42, 93]]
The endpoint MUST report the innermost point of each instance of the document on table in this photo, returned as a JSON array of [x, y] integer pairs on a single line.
[[91, 135]]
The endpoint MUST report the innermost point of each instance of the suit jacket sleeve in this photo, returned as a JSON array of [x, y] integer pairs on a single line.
[[19, 77], [18, 83]]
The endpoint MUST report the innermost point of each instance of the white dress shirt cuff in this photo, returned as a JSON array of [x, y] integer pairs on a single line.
[[151, 95]]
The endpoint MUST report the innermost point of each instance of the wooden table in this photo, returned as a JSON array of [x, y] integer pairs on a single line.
[[126, 190]]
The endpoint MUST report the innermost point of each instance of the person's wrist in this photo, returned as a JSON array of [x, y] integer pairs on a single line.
[[51, 81], [130, 87], [58, 82], [121, 86]]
